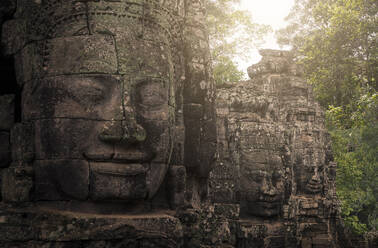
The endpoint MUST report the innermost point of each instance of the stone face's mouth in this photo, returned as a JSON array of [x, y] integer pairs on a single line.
[[123, 158], [269, 205], [117, 182], [261, 208], [270, 199], [113, 169], [314, 187]]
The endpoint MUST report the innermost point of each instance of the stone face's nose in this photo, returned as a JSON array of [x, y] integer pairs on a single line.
[[126, 131], [267, 187], [316, 177], [132, 132]]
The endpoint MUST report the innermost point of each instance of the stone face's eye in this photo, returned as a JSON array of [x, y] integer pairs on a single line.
[[88, 92], [151, 93], [92, 94], [257, 176]]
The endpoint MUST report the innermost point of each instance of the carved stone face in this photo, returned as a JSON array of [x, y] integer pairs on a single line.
[[308, 170], [103, 113], [262, 183]]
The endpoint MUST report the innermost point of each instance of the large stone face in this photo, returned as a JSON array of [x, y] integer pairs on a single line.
[[100, 94], [115, 122]]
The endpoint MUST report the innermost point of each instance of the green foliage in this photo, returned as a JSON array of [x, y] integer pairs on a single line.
[[336, 43], [356, 152], [232, 34], [225, 70]]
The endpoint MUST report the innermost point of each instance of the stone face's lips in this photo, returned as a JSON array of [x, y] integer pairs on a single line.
[[124, 157], [267, 199], [270, 205], [118, 169], [98, 157], [131, 156]]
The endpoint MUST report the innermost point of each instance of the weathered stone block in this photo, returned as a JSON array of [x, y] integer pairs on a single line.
[[192, 113], [61, 179], [14, 36], [7, 112], [50, 19], [176, 185], [306, 243], [5, 150], [30, 228], [29, 63], [223, 195], [22, 141], [17, 184], [1, 189], [228, 211]]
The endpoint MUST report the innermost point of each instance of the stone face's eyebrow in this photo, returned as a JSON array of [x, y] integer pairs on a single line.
[[149, 79]]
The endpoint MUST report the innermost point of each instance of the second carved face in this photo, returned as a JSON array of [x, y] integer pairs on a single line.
[[262, 183], [308, 171]]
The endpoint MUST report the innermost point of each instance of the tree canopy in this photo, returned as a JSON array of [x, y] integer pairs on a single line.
[[233, 34]]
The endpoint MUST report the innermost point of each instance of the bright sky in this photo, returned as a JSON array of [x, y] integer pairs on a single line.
[[271, 12]]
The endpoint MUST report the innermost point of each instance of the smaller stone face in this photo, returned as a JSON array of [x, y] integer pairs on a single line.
[[262, 184], [309, 170]]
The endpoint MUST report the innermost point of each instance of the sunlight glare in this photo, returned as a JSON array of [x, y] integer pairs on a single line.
[[270, 12]]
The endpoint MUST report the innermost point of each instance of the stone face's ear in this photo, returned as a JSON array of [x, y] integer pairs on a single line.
[[17, 183]]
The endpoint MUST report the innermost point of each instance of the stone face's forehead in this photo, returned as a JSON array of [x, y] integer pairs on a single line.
[[51, 18], [80, 54], [253, 167], [100, 54]]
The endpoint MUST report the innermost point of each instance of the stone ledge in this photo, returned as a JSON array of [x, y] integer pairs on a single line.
[[35, 224]]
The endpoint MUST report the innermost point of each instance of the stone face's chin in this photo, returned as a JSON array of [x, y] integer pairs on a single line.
[[127, 176], [115, 181]]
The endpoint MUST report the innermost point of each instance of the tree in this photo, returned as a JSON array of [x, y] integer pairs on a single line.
[[232, 35], [336, 41]]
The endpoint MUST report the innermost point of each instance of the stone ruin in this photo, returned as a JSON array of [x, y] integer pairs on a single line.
[[112, 135], [275, 160]]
